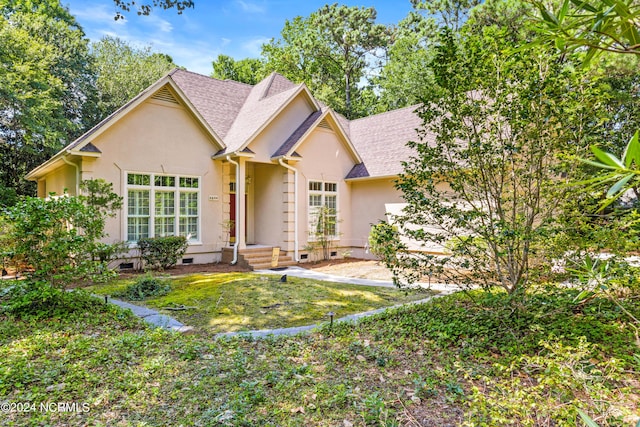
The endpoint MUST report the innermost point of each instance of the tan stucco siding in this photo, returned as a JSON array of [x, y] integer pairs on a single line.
[[268, 198], [368, 199], [324, 158], [277, 132], [61, 179], [161, 138]]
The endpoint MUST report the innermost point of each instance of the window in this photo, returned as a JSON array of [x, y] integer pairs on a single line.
[[323, 195], [162, 205]]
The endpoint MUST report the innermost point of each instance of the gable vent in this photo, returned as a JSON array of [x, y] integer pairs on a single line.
[[165, 95], [323, 124]]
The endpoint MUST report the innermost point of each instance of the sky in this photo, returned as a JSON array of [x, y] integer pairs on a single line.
[[237, 28]]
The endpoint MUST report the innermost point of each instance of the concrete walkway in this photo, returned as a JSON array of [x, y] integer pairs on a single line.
[[442, 288], [311, 274], [152, 317]]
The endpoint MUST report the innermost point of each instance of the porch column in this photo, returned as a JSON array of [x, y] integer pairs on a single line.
[[241, 219], [288, 224]]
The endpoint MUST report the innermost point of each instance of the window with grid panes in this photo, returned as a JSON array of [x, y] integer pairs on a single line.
[[162, 205], [321, 194]]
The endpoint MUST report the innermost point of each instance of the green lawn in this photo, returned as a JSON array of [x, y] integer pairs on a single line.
[[229, 302], [476, 360]]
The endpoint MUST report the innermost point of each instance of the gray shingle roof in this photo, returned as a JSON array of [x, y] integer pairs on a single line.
[[382, 140], [218, 101], [298, 133]]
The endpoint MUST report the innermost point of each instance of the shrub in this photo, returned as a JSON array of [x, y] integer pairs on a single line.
[[41, 300], [162, 252], [146, 286], [58, 237]]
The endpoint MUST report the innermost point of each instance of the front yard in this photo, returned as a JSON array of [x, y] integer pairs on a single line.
[[237, 301], [475, 359]]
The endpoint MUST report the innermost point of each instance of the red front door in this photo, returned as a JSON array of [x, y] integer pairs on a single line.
[[232, 216]]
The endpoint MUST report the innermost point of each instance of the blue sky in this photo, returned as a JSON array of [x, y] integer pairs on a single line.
[[236, 28]]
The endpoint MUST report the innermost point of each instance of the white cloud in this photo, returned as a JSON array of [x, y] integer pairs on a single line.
[[158, 24], [253, 47], [251, 7]]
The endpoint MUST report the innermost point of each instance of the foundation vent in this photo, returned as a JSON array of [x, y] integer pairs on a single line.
[[165, 95]]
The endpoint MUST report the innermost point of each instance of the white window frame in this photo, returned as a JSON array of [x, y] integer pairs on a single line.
[[153, 189], [311, 210]]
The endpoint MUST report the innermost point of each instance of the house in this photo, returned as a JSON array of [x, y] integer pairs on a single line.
[[191, 153]]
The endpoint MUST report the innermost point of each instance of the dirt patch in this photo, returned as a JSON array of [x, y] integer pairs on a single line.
[[358, 268], [184, 269]]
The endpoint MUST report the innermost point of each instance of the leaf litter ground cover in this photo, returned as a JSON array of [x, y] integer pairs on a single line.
[[476, 359]]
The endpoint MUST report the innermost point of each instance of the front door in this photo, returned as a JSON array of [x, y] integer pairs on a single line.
[[232, 216]]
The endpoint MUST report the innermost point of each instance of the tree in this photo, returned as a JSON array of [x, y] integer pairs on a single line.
[[407, 78], [146, 8], [598, 25], [331, 51], [452, 13], [248, 70], [124, 71], [484, 181], [59, 236], [45, 83]]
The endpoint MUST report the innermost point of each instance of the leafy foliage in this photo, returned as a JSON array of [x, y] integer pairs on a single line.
[[330, 51], [58, 237], [248, 70], [484, 182], [124, 71], [44, 87], [146, 8], [598, 25], [40, 300], [461, 356], [144, 287], [162, 252]]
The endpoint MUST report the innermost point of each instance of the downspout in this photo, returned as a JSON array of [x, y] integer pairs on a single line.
[[235, 245], [70, 163], [295, 207]]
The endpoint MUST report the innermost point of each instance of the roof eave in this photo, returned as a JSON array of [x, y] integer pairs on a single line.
[[285, 104], [371, 178]]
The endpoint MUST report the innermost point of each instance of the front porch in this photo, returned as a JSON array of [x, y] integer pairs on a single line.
[[258, 257], [259, 203]]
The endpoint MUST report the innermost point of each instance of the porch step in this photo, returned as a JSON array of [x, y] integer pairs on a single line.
[[257, 258]]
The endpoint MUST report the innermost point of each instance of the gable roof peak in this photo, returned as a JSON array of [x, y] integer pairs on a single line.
[[275, 83]]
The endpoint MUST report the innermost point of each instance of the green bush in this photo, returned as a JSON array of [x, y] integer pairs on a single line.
[[144, 287], [162, 252], [41, 300]]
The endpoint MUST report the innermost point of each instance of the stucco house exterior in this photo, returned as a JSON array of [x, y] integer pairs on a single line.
[[191, 153]]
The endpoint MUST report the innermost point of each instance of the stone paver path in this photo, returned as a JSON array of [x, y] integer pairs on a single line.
[[166, 322], [152, 316]]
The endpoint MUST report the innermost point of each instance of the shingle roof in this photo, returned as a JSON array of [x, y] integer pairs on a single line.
[[382, 140], [298, 133], [218, 101], [254, 114]]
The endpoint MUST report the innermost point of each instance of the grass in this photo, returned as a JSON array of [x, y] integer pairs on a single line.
[[230, 302], [475, 360]]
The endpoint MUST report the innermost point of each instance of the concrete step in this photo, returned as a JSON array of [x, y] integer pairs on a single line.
[[266, 266]]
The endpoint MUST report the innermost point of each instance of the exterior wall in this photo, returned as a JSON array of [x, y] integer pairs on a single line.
[[371, 199], [268, 194], [368, 199], [276, 133], [324, 158], [163, 138], [57, 181]]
